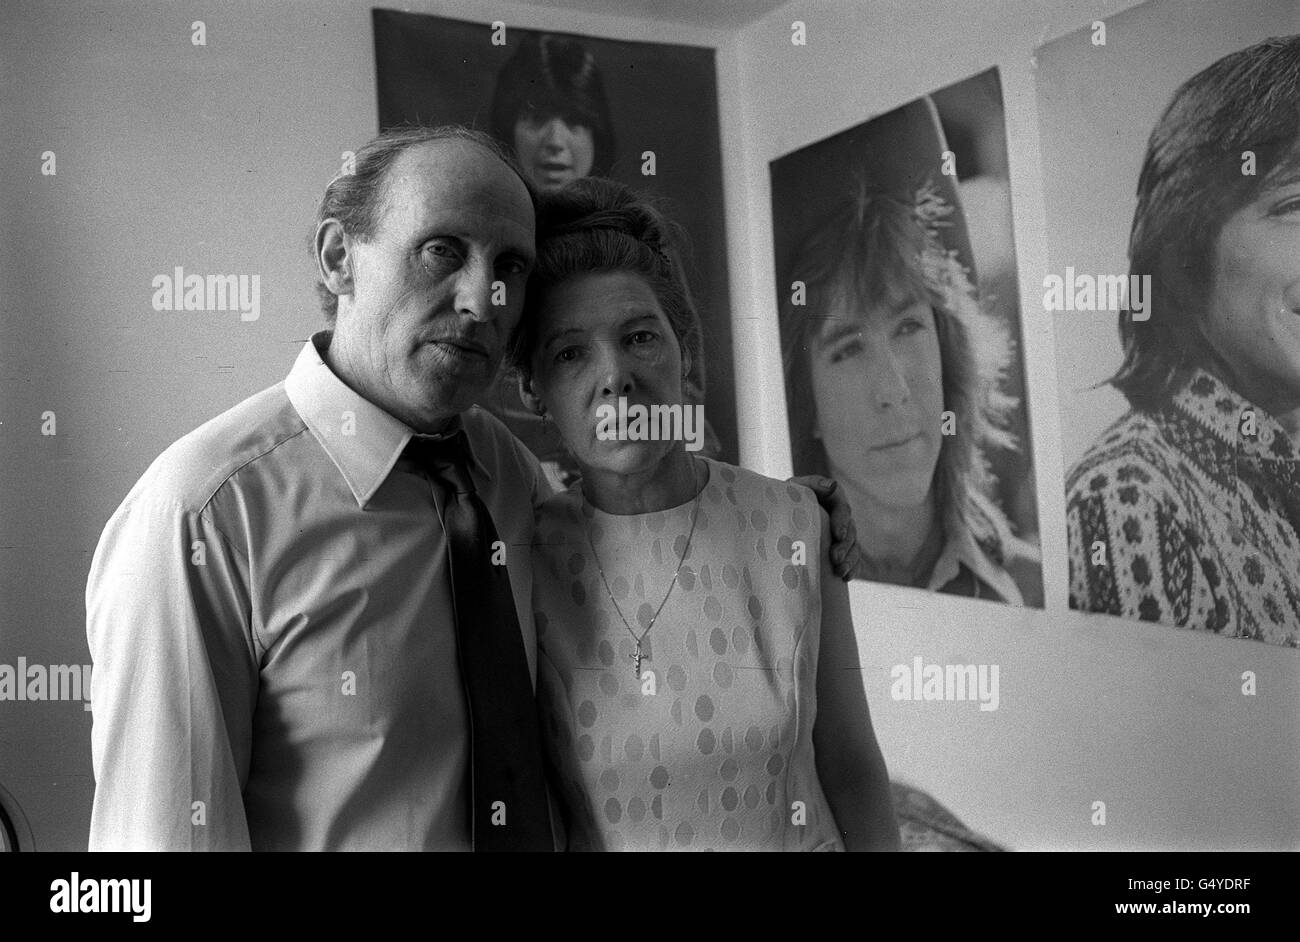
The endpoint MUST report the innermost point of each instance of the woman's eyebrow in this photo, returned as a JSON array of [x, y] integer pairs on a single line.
[[558, 333], [636, 317]]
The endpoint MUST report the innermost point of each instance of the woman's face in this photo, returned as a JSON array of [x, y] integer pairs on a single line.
[[553, 151], [1252, 319], [602, 336], [877, 378]]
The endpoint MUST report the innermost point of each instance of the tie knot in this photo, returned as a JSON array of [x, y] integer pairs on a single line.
[[446, 459]]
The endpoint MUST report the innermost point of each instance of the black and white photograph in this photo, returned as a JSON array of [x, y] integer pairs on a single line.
[[598, 426]]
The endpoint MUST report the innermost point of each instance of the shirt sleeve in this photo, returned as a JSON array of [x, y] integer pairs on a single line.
[[173, 684]]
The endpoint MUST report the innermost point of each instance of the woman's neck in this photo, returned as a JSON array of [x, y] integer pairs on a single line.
[[895, 540], [670, 483]]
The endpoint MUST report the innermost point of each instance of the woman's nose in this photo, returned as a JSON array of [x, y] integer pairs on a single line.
[[615, 371]]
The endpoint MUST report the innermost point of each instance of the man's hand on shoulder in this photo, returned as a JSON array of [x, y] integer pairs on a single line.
[[844, 534]]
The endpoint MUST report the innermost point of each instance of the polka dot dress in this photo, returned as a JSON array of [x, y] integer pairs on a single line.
[[710, 748]]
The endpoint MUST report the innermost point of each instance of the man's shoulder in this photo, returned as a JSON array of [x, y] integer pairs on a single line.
[[1132, 452], [497, 447], [194, 467]]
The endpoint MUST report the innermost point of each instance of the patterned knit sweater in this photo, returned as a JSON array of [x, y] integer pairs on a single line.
[[1180, 516]]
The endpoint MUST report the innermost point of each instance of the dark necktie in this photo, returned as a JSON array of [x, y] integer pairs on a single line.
[[507, 779]]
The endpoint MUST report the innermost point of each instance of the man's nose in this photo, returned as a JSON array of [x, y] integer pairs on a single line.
[[555, 134], [887, 380], [474, 291]]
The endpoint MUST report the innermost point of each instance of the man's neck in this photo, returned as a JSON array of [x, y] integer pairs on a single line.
[[894, 538], [346, 363]]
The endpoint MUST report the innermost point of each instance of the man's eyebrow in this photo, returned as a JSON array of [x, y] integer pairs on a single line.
[[527, 253], [1282, 178], [834, 328]]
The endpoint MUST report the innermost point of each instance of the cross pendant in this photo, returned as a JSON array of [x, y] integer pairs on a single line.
[[637, 657]]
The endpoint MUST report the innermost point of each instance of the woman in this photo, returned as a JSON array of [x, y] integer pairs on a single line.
[[550, 109], [893, 381], [694, 644], [1187, 510]]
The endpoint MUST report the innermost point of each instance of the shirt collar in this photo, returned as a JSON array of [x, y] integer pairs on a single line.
[[962, 548], [362, 440], [1203, 421]]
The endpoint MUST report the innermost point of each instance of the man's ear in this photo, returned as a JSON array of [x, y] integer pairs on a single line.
[[333, 257], [532, 402]]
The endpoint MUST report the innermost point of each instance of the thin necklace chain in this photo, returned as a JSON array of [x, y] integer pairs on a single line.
[[638, 657]]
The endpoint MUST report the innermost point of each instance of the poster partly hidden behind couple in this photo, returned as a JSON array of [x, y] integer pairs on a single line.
[[644, 114]]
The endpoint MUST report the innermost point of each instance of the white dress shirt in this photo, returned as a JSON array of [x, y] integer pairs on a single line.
[[272, 631]]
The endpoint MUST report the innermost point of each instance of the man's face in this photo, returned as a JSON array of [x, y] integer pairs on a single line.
[[423, 327], [1252, 318], [877, 379], [553, 151]]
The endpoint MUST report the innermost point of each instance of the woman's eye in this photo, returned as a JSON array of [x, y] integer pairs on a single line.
[[908, 326], [643, 336], [567, 355]]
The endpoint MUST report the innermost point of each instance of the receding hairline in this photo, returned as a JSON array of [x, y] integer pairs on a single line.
[[411, 152]]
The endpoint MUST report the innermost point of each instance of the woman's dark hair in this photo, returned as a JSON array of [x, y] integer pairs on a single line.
[[554, 76], [355, 198], [875, 249], [597, 225], [1193, 179]]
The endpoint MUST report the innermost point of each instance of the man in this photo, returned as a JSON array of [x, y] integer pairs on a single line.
[[300, 617]]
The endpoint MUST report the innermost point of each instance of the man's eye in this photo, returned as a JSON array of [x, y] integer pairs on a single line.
[[441, 250], [514, 267], [1287, 207], [845, 351], [568, 355]]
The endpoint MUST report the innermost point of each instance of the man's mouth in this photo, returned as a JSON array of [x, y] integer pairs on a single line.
[[897, 442], [554, 168], [464, 348]]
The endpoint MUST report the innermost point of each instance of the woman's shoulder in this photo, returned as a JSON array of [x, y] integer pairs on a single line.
[[559, 514], [759, 486], [761, 501]]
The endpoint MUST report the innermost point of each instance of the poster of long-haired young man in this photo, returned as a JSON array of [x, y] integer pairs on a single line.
[[1174, 282], [567, 107], [896, 286]]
